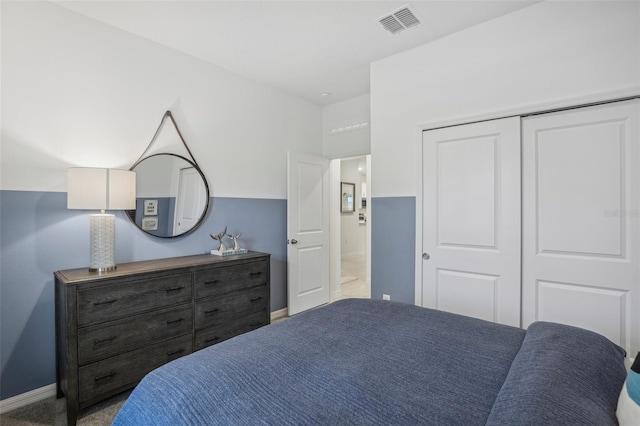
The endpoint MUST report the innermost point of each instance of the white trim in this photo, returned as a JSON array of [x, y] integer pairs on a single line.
[[533, 108], [418, 253], [27, 398], [334, 228], [337, 295], [521, 111], [279, 314]]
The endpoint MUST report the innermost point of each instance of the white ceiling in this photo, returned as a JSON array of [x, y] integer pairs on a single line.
[[301, 47]]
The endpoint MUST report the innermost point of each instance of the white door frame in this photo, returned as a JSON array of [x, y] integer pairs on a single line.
[[335, 267], [575, 102]]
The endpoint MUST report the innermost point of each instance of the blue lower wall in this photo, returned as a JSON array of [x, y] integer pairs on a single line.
[[393, 242], [38, 236]]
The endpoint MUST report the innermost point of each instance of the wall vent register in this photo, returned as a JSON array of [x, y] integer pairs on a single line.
[[399, 20]]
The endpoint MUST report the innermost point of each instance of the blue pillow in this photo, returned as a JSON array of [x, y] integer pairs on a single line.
[[562, 375]]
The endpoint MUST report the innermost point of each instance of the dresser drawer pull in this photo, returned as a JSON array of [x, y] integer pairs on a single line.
[[175, 288], [109, 339], [211, 282], [179, 351], [106, 376], [213, 339], [253, 324], [175, 321], [210, 311], [253, 274], [255, 299], [104, 302]]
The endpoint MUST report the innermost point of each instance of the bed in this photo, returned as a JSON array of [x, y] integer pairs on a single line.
[[374, 362]]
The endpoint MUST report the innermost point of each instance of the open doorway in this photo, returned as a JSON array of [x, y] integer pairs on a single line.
[[350, 228]]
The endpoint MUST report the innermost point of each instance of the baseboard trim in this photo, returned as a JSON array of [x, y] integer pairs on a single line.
[[27, 398], [279, 314]]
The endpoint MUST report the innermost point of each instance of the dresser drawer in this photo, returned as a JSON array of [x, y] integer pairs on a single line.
[[113, 301], [107, 339], [127, 369], [218, 333], [217, 310], [216, 281]]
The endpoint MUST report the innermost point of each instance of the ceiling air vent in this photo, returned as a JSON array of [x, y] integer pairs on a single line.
[[399, 20]]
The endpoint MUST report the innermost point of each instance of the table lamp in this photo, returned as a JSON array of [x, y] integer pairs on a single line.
[[101, 189]]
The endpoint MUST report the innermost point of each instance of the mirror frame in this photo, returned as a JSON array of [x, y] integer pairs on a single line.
[[131, 214]]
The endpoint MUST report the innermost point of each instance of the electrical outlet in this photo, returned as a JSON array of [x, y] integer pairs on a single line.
[[386, 297]]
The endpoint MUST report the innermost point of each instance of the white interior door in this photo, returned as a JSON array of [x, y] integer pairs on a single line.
[[307, 232], [192, 198], [580, 214], [471, 220]]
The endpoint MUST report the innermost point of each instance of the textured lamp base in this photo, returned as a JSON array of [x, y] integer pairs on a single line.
[[103, 238]]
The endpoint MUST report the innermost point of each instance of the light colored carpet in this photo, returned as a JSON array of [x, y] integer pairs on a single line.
[[52, 411]]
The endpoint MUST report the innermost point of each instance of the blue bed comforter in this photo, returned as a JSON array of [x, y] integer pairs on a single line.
[[374, 362]]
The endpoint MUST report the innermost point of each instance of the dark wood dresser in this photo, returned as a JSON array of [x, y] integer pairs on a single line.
[[115, 327]]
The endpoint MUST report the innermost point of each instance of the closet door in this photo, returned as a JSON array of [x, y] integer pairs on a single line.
[[471, 220], [581, 211]]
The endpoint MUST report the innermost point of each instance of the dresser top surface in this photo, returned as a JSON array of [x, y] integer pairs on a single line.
[[72, 276]]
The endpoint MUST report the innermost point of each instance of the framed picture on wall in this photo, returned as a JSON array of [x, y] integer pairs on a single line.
[[150, 223], [347, 197], [150, 207]]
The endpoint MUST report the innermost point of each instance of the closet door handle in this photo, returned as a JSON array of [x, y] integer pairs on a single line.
[[426, 256]]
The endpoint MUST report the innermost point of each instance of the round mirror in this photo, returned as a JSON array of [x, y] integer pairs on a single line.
[[172, 196]]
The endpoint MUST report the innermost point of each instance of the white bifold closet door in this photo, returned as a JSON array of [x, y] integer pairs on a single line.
[[581, 214], [471, 220]]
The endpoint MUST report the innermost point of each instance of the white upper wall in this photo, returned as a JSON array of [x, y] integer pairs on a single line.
[[351, 121], [76, 92], [548, 52]]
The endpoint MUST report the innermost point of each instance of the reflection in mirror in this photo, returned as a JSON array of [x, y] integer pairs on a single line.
[[172, 195]]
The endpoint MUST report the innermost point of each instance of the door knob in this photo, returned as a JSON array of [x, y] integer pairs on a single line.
[[426, 256], [294, 241]]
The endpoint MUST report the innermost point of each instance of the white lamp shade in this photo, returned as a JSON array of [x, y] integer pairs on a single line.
[[122, 190], [100, 189]]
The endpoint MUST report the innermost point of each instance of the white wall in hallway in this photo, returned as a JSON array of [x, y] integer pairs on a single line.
[[353, 233], [346, 128]]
